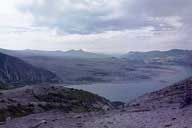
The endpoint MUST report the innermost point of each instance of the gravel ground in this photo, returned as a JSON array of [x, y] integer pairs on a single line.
[[161, 118], [151, 119]]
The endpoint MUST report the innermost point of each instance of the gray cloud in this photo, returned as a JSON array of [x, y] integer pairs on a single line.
[[94, 16], [96, 25]]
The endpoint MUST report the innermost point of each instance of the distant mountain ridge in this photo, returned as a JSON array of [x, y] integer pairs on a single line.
[[14, 71], [68, 54], [171, 56]]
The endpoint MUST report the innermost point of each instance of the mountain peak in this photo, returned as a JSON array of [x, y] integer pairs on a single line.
[[73, 50]]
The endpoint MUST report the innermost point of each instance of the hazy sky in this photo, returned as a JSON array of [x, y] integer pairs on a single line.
[[96, 25]]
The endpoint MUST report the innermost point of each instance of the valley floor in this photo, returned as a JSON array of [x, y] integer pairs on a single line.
[[124, 118]]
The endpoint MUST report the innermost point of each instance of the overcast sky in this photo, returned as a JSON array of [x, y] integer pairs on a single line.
[[110, 26]]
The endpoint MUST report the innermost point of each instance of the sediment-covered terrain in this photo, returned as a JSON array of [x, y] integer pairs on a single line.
[[167, 108]]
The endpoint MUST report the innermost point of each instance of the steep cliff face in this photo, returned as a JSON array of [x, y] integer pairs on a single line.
[[14, 71]]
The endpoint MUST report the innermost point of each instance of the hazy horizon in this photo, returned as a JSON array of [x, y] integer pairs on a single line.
[[111, 53]]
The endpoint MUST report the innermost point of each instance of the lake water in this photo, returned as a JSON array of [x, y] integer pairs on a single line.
[[126, 91]]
